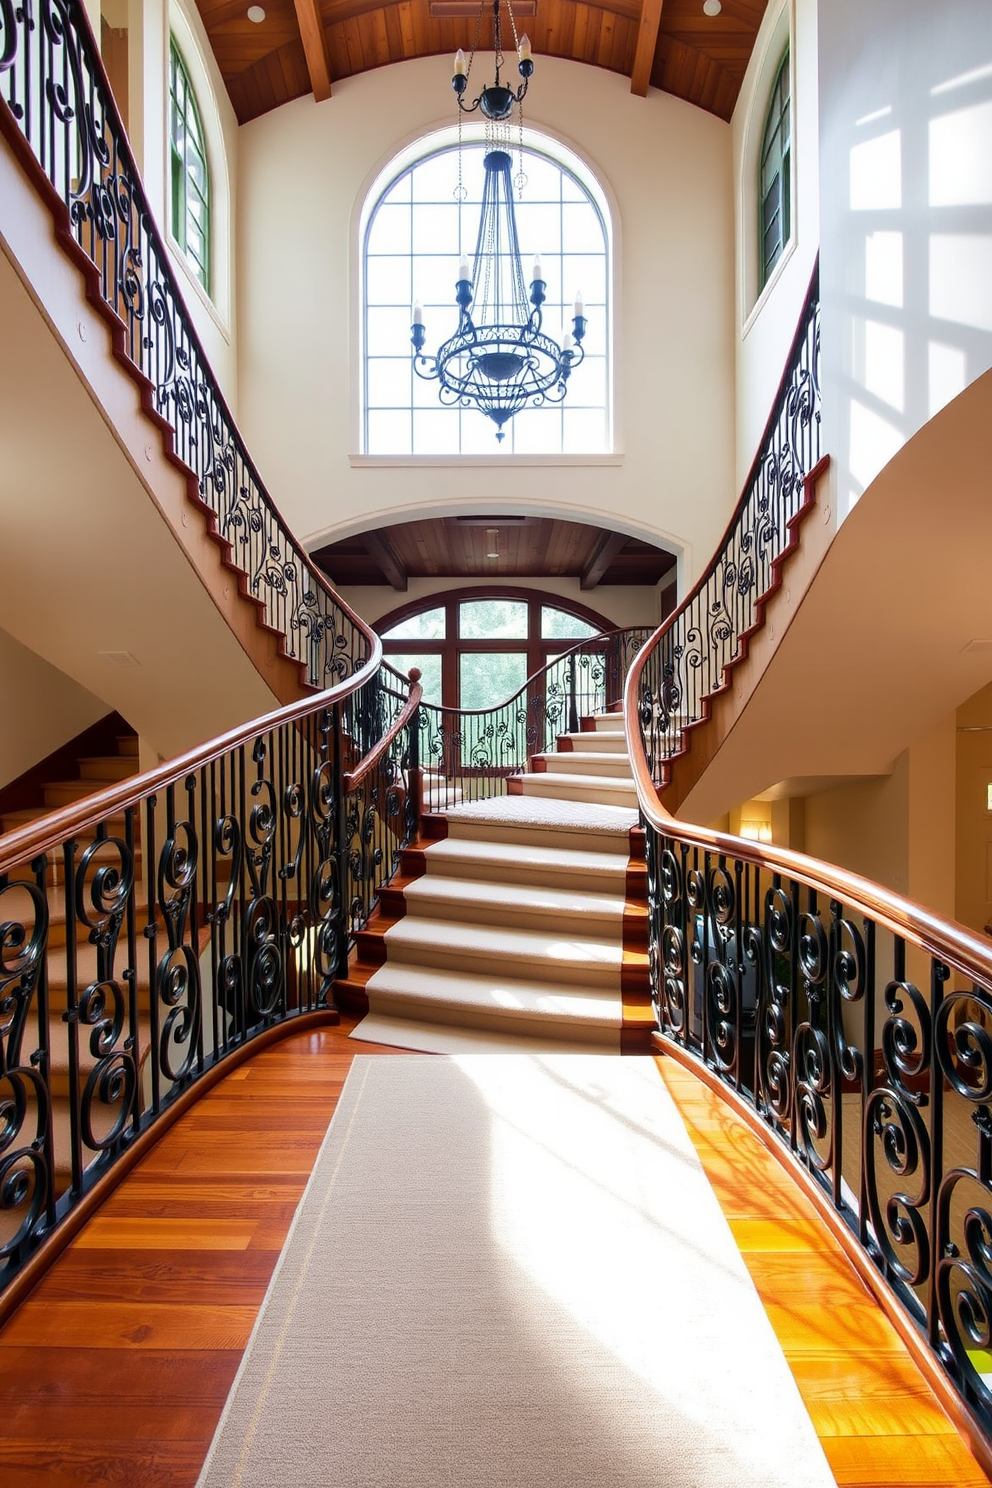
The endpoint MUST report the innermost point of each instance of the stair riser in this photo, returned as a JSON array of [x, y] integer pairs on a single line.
[[533, 875], [579, 1031], [538, 836], [560, 787], [529, 967], [106, 770], [517, 917], [568, 880], [597, 743], [616, 767]]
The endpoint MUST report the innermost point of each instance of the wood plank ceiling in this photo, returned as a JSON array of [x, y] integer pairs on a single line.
[[495, 547], [305, 46]]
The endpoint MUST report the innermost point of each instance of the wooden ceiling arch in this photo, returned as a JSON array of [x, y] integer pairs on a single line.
[[305, 46]]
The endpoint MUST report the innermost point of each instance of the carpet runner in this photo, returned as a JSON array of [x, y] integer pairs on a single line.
[[513, 938], [511, 1273]]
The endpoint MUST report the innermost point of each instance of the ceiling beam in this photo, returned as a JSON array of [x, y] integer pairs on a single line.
[[602, 556], [315, 47], [380, 550], [647, 44]]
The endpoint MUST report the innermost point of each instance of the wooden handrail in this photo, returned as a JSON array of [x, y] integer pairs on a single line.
[[39, 837], [353, 778]]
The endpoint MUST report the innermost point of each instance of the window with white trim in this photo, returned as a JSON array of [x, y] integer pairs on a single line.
[[775, 175], [189, 172], [415, 231]]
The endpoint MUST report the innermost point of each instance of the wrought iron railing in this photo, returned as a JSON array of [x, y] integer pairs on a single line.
[[468, 755], [58, 112], [859, 1029], [693, 651], [151, 931]]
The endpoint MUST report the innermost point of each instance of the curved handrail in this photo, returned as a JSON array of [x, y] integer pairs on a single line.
[[58, 111], [688, 658]]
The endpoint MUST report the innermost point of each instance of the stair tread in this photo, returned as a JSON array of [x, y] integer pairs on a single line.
[[514, 819]]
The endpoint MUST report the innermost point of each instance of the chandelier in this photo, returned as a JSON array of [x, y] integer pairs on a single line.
[[499, 359]]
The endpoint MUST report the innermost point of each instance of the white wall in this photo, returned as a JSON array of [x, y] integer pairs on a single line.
[[906, 220], [766, 321], [304, 172]]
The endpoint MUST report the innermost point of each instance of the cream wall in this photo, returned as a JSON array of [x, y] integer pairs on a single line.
[[766, 321], [906, 220], [974, 819], [896, 829], [304, 171], [50, 708]]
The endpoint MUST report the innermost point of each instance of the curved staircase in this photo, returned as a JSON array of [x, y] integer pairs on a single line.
[[522, 925]]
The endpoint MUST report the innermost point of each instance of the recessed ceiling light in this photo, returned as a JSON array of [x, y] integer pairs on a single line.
[[710, 7], [257, 14]]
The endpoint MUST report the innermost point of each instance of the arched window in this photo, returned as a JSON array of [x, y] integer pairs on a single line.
[[476, 647], [775, 178], [415, 229], [189, 173]]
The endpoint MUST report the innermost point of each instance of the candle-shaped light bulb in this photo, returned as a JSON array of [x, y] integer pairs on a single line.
[[580, 308], [537, 272], [567, 343], [523, 48], [463, 272], [418, 313], [461, 69]]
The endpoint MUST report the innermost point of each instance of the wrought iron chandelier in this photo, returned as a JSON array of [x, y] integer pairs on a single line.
[[499, 360]]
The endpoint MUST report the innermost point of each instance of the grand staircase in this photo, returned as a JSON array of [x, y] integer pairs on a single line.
[[519, 922]]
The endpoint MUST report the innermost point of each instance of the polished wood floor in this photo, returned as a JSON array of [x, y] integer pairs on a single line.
[[115, 1370]]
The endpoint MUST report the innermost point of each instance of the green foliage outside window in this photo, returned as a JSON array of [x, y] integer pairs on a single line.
[[189, 174], [775, 185]]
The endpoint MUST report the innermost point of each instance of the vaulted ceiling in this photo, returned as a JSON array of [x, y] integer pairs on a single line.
[[305, 46]]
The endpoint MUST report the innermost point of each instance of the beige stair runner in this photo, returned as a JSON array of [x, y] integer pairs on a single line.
[[513, 938]]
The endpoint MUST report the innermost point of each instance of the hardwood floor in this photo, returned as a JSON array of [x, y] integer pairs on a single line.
[[877, 1419], [116, 1368]]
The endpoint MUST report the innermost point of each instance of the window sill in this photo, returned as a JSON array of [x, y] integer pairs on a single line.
[[770, 284], [181, 263], [372, 462]]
